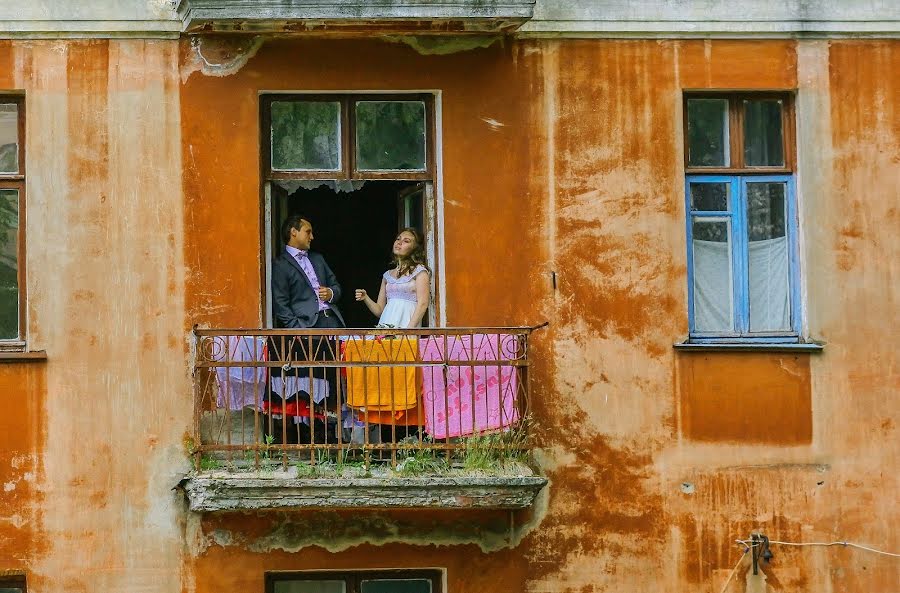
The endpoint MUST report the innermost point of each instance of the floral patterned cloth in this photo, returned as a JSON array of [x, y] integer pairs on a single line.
[[472, 399]]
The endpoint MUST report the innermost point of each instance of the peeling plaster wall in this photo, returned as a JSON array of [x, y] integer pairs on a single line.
[[571, 151], [142, 218], [93, 444]]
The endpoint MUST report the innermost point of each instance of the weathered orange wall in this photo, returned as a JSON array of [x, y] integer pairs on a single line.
[[91, 443], [656, 465], [22, 434], [584, 178]]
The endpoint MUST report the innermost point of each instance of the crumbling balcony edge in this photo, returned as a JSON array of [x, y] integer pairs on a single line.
[[210, 493]]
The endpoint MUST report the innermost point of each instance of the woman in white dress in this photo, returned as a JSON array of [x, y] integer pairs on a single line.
[[406, 288]]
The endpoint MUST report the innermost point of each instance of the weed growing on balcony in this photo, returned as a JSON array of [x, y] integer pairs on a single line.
[[422, 462], [209, 464], [493, 452], [342, 465], [267, 462], [415, 461]]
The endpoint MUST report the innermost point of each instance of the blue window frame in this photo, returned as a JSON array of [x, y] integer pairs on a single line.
[[743, 271]]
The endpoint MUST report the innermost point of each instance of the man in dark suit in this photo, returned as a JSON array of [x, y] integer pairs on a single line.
[[304, 295], [304, 289]]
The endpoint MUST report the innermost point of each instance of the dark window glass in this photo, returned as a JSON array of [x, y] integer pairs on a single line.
[[9, 138], [310, 586], [708, 133], [396, 586], [306, 135], [763, 133], [9, 264], [390, 135], [710, 196]]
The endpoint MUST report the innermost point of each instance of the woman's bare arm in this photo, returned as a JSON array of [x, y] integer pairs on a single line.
[[423, 298]]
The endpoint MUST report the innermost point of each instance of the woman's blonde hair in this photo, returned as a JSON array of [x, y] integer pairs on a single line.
[[415, 258]]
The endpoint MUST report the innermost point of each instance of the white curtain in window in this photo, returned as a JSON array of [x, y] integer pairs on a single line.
[[770, 302], [769, 287], [712, 287]]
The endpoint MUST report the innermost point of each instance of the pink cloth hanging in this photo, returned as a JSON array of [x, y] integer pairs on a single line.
[[473, 399]]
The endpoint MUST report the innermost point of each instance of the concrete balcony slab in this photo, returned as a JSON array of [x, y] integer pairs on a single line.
[[223, 491], [383, 16]]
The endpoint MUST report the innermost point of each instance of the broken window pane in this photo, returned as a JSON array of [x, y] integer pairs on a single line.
[[9, 138], [710, 196], [396, 586], [708, 133], [770, 302], [713, 285], [306, 135], [311, 586], [763, 134], [9, 264], [390, 135]]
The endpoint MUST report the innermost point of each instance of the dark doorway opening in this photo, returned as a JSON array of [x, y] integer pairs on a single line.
[[354, 230]]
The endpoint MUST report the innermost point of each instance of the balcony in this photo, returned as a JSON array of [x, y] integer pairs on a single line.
[[353, 16], [354, 418]]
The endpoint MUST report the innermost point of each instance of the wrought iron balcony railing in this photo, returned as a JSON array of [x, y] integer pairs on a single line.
[[413, 401]]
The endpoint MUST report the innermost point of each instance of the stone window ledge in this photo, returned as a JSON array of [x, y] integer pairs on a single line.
[[221, 491]]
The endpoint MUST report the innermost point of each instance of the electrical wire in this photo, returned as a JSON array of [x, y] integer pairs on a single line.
[[749, 545], [734, 570], [845, 544], [825, 544]]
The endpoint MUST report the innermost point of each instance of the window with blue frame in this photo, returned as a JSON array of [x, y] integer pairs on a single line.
[[743, 270]]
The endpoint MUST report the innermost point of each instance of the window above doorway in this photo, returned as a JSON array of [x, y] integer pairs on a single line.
[[738, 133], [348, 136]]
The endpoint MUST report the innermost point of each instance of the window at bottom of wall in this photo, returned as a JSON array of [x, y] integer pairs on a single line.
[[14, 584], [393, 581]]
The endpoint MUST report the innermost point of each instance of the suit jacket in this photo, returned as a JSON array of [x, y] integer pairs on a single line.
[[294, 303]]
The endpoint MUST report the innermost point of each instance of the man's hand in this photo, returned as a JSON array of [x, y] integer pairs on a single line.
[[325, 294]]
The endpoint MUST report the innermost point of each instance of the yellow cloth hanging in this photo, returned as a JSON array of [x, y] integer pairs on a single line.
[[382, 388]]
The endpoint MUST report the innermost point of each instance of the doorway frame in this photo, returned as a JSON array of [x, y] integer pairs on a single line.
[[433, 202]]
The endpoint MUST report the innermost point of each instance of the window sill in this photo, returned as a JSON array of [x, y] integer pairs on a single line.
[[811, 347], [9, 356]]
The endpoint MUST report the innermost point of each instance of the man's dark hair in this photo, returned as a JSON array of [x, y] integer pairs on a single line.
[[294, 221]]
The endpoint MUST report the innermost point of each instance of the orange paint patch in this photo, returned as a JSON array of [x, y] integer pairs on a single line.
[[746, 397], [728, 65], [22, 426]]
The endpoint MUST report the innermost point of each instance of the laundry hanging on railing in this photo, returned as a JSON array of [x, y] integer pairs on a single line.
[[389, 388], [465, 400], [240, 387]]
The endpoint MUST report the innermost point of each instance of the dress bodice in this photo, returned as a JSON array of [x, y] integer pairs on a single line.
[[401, 298], [404, 287]]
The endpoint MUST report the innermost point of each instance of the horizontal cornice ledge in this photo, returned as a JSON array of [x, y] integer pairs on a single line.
[[91, 29], [695, 29], [278, 16]]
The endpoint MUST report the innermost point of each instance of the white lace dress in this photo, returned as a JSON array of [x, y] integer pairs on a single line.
[[401, 298]]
